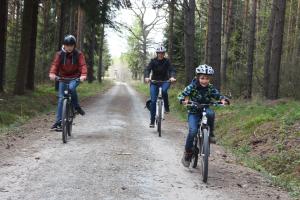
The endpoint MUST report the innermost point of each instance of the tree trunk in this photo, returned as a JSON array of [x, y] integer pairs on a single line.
[[101, 53], [296, 50], [90, 52], [251, 48], [3, 35], [171, 29], [189, 39], [80, 27], [214, 38], [46, 39], [61, 28], [25, 47], [61, 23], [31, 63], [268, 50], [290, 25], [276, 49], [227, 32]]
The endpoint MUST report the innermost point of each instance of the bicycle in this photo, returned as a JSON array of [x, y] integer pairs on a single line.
[[68, 111], [160, 110], [201, 144]]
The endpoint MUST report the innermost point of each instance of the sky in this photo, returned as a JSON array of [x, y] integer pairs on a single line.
[[117, 42]]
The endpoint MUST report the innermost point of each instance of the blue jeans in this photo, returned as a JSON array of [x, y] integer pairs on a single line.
[[154, 89], [193, 120], [72, 86]]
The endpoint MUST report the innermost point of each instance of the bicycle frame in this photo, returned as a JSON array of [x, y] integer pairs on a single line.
[[68, 110], [68, 96], [158, 102], [203, 125]]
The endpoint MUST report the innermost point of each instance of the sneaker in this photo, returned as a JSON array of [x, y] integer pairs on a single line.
[[151, 125], [56, 127], [186, 158], [212, 139], [80, 111]]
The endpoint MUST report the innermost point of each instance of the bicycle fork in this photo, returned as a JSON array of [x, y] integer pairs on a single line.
[[158, 102]]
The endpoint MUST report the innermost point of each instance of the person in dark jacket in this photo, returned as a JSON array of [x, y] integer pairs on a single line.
[[68, 63], [162, 70]]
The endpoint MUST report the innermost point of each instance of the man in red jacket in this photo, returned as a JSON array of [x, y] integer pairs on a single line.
[[68, 63]]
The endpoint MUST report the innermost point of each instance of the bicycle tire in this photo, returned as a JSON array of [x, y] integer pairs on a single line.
[[70, 124], [194, 161], [159, 119], [205, 155], [65, 121]]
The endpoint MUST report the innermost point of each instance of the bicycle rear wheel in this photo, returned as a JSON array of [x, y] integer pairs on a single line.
[[159, 118], [65, 121], [205, 155]]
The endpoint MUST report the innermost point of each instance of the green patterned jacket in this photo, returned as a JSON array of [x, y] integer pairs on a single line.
[[200, 94]]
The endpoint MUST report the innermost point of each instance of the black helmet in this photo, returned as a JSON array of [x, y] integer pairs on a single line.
[[70, 40]]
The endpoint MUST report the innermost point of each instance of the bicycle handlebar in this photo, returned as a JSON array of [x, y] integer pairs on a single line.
[[155, 81], [57, 78], [201, 105]]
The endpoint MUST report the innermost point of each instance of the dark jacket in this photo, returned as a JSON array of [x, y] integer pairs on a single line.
[[162, 70], [69, 65]]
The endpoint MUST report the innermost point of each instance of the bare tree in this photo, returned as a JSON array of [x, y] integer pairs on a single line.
[[139, 10]]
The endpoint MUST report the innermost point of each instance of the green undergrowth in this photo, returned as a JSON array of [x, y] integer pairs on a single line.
[[16, 110], [263, 135]]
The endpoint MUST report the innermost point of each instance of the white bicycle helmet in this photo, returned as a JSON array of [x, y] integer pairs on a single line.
[[160, 49], [205, 69]]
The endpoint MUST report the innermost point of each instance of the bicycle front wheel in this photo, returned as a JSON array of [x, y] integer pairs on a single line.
[[70, 124], [159, 118], [65, 120], [205, 155], [194, 161]]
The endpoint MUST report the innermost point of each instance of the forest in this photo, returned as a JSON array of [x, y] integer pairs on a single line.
[[253, 46]]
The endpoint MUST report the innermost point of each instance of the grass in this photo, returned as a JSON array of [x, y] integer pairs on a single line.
[[15, 110], [263, 135]]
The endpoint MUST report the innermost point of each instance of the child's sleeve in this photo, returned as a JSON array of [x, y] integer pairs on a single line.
[[186, 92], [216, 94]]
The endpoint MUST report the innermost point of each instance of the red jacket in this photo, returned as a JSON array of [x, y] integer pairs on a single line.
[[67, 67]]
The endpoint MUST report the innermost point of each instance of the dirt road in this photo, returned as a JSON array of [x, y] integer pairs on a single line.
[[114, 155]]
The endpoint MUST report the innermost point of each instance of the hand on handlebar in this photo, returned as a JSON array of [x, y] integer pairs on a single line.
[[172, 79], [225, 102], [147, 80], [52, 77], [82, 78], [185, 102]]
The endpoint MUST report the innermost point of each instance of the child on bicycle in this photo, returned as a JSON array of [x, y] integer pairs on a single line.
[[162, 70], [201, 91], [68, 63]]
